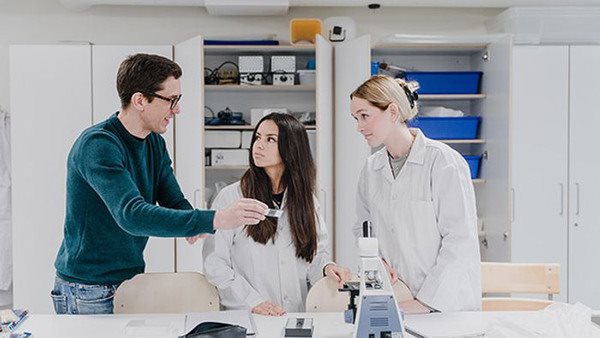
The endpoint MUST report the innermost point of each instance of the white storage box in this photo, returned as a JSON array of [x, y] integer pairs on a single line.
[[222, 139], [307, 76], [534, 25], [258, 113], [247, 139], [229, 157]]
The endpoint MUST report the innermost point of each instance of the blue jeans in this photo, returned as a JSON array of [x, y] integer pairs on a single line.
[[76, 298]]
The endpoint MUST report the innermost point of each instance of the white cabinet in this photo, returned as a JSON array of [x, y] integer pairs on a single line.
[[197, 177], [57, 91], [584, 169], [490, 56], [50, 105], [553, 167]]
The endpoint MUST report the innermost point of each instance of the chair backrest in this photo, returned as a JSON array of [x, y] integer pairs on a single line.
[[325, 297], [179, 292], [518, 278]]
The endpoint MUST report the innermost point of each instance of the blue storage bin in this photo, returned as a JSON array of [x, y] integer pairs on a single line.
[[447, 128], [446, 82], [473, 162]]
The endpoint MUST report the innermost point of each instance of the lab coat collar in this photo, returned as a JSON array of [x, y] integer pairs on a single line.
[[416, 155]]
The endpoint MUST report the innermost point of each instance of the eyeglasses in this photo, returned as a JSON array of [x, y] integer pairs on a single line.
[[172, 100]]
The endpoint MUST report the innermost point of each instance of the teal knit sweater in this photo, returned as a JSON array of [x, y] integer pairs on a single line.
[[120, 190]]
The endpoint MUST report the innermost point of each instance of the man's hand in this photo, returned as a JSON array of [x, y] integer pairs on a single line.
[[391, 272], [242, 212], [194, 239], [268, 309], [339, 273]]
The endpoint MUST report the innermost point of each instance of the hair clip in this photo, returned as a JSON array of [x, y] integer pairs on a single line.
[[411, 95]]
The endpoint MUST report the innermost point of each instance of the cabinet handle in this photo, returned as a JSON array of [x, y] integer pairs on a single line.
[[196, 198], [512, 205], [577, 198], [562, 198]]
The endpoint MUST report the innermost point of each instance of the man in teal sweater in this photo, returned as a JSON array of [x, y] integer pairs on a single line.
[[121, 189]]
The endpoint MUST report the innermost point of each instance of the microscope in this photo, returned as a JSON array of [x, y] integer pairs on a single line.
[[377, 315]]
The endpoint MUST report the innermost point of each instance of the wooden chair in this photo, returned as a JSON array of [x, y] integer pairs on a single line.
[[518, 278], [325, 297], [179, 292]]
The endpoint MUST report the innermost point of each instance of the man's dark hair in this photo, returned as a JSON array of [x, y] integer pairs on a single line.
[[144, 73]]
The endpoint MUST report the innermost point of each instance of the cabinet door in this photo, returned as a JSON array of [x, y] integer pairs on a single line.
[[539, 126], [493, 195], [189, 140], [584, 185], [352, 67], [50, 95], [324, 105], [160, 252]]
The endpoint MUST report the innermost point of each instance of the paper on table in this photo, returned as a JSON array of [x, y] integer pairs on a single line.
[[236, 317]]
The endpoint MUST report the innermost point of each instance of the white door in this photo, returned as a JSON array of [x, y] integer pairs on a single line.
[[539, 163], [160, 252], [584, 223], [189, 141], [493, 195], [324, 111], [50, 90], [352, 67]]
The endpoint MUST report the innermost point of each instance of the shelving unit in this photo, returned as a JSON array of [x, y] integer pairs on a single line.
[[490, 55], [199, 180]]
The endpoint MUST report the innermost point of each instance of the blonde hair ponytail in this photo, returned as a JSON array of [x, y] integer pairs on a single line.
[[382, 90]]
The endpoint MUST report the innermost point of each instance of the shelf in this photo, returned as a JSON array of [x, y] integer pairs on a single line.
[[260, 88], [432, 97], [462, 141], [429, 48], [244, 127], [226, 167], [478, 181], [259, 49]]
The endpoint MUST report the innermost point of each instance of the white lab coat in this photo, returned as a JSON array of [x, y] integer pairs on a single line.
[[426, 222], [5, 204], [247, 273]]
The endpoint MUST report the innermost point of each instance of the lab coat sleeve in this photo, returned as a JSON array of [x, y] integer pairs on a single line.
[[454, 282], [362, 205], [323, 256], [235, 291]]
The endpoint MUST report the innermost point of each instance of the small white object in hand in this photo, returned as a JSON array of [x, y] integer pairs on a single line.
[[274, 213]]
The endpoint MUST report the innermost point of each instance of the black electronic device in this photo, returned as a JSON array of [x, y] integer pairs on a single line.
[[299, 327]]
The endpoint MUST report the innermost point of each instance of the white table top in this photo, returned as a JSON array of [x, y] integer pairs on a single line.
[[327, 325]]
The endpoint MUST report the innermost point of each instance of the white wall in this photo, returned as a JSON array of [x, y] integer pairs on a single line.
[[46, 21]]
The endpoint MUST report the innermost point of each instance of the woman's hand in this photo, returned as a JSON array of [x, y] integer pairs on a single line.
[[268, 309], [393, 274], [413, 306], [339, 273]]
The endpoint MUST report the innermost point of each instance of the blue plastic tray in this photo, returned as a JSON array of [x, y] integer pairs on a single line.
[[445, 128], [474, 162], [446, 82]]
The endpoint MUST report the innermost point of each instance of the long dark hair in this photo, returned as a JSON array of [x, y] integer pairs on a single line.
[[299, 176]]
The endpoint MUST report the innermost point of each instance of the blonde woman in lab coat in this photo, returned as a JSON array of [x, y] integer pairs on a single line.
[[419, 197], [267, 267]]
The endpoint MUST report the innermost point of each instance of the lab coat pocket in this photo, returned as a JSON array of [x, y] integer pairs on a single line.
[[426, 233]]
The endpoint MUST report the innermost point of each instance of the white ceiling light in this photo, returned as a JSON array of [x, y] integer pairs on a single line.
[[245, 7]]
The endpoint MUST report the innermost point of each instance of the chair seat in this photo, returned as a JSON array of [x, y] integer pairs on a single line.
[[179, 292], [325, 297]]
